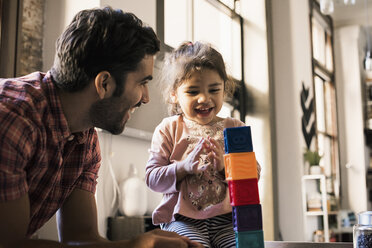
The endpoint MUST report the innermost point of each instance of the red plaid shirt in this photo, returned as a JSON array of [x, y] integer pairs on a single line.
[[39, 156]]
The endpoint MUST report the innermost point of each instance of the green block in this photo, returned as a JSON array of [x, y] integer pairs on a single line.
[[249, 239]]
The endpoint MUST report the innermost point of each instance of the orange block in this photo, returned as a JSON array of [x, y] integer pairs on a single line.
[[240, 165]]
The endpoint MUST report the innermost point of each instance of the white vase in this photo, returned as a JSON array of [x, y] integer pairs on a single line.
[[315, 170], [133, 192]]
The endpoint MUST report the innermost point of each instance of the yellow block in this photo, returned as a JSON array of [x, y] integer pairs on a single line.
[[240, 165]]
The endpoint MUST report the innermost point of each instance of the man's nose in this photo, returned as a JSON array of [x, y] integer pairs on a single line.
[[145, 95]]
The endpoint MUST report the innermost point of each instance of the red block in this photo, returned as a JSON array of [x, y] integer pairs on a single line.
[[244, 192]]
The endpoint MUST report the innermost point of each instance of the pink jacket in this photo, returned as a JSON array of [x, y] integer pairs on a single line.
[[199, 196]]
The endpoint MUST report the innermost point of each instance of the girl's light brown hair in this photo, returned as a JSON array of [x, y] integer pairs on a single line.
[[184, 61]]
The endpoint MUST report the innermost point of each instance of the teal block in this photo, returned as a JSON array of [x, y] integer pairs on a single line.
[[249, 239]]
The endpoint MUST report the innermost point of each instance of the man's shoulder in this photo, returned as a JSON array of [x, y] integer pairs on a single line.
[[25, 88], [23, 99], [31, 79]]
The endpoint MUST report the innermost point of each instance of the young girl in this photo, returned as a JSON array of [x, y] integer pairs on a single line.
[[186, 155]]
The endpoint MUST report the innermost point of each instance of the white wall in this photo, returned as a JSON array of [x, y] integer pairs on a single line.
[[351, 124], [143, 9], [58, 14], [258, 103], [291, 67], [125, 151], [346, 15]]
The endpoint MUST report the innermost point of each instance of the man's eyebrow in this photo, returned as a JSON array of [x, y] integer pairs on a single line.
[[148, 78]]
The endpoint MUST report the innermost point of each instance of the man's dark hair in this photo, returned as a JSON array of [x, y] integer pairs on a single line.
[[98, 40]]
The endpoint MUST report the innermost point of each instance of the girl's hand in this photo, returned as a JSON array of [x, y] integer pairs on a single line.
[[216, 154], [190, 164]]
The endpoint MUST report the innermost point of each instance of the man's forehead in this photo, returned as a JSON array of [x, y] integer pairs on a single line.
[[144, 68], [147, 61]]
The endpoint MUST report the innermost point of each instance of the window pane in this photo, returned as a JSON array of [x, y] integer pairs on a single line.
[[254, 13], [318, 41], [321, 147], [335, 160], [319, 103], [330, 106], [325, 150], [177, 21], [221, 31], [335, 167], [329, 55], [327, 160]]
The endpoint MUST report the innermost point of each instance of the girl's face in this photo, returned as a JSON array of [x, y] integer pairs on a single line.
[[201, 96]]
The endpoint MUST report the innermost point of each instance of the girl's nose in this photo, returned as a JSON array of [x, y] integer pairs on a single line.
[[203, 98]]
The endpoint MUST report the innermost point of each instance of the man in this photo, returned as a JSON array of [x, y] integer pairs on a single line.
[[49, 151]]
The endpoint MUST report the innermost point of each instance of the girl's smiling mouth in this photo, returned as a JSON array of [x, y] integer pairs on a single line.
[[204, 111]]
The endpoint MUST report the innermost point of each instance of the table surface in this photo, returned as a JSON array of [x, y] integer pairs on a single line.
[[285, 244]]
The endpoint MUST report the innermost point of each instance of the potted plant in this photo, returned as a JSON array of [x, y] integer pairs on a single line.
[[313, 158]]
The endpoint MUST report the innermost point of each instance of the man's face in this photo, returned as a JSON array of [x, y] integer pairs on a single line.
[[112, 113]]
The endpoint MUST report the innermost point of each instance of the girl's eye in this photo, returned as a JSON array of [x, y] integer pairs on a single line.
[[192, 92], [214, 90]]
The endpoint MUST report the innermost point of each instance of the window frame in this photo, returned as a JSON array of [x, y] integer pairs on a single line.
[[327, 76]]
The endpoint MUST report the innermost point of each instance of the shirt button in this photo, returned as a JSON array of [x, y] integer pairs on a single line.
[[71, 137]]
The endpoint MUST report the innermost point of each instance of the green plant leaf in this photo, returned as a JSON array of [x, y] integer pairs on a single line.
[[312, 157]]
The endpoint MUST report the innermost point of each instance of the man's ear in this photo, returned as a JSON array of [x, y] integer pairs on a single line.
[[105, 84]]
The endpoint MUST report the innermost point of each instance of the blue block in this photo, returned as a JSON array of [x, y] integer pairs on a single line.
[[238, 139], [247, 217], [250, 239]]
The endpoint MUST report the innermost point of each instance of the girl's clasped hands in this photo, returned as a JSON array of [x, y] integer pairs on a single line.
[[207, 146]]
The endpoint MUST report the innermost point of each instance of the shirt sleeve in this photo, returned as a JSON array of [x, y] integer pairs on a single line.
[[16, 139], [160, 173], [92, 161]]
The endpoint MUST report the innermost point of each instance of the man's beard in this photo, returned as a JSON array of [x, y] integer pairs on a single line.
[[105, 114]]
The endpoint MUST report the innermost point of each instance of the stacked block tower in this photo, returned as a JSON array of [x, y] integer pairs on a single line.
[[242, 178]]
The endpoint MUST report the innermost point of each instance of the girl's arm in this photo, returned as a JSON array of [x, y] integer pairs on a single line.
[[160, 173], [164, 177]]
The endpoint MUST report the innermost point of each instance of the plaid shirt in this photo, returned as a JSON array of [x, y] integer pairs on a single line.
[[39, 156]]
